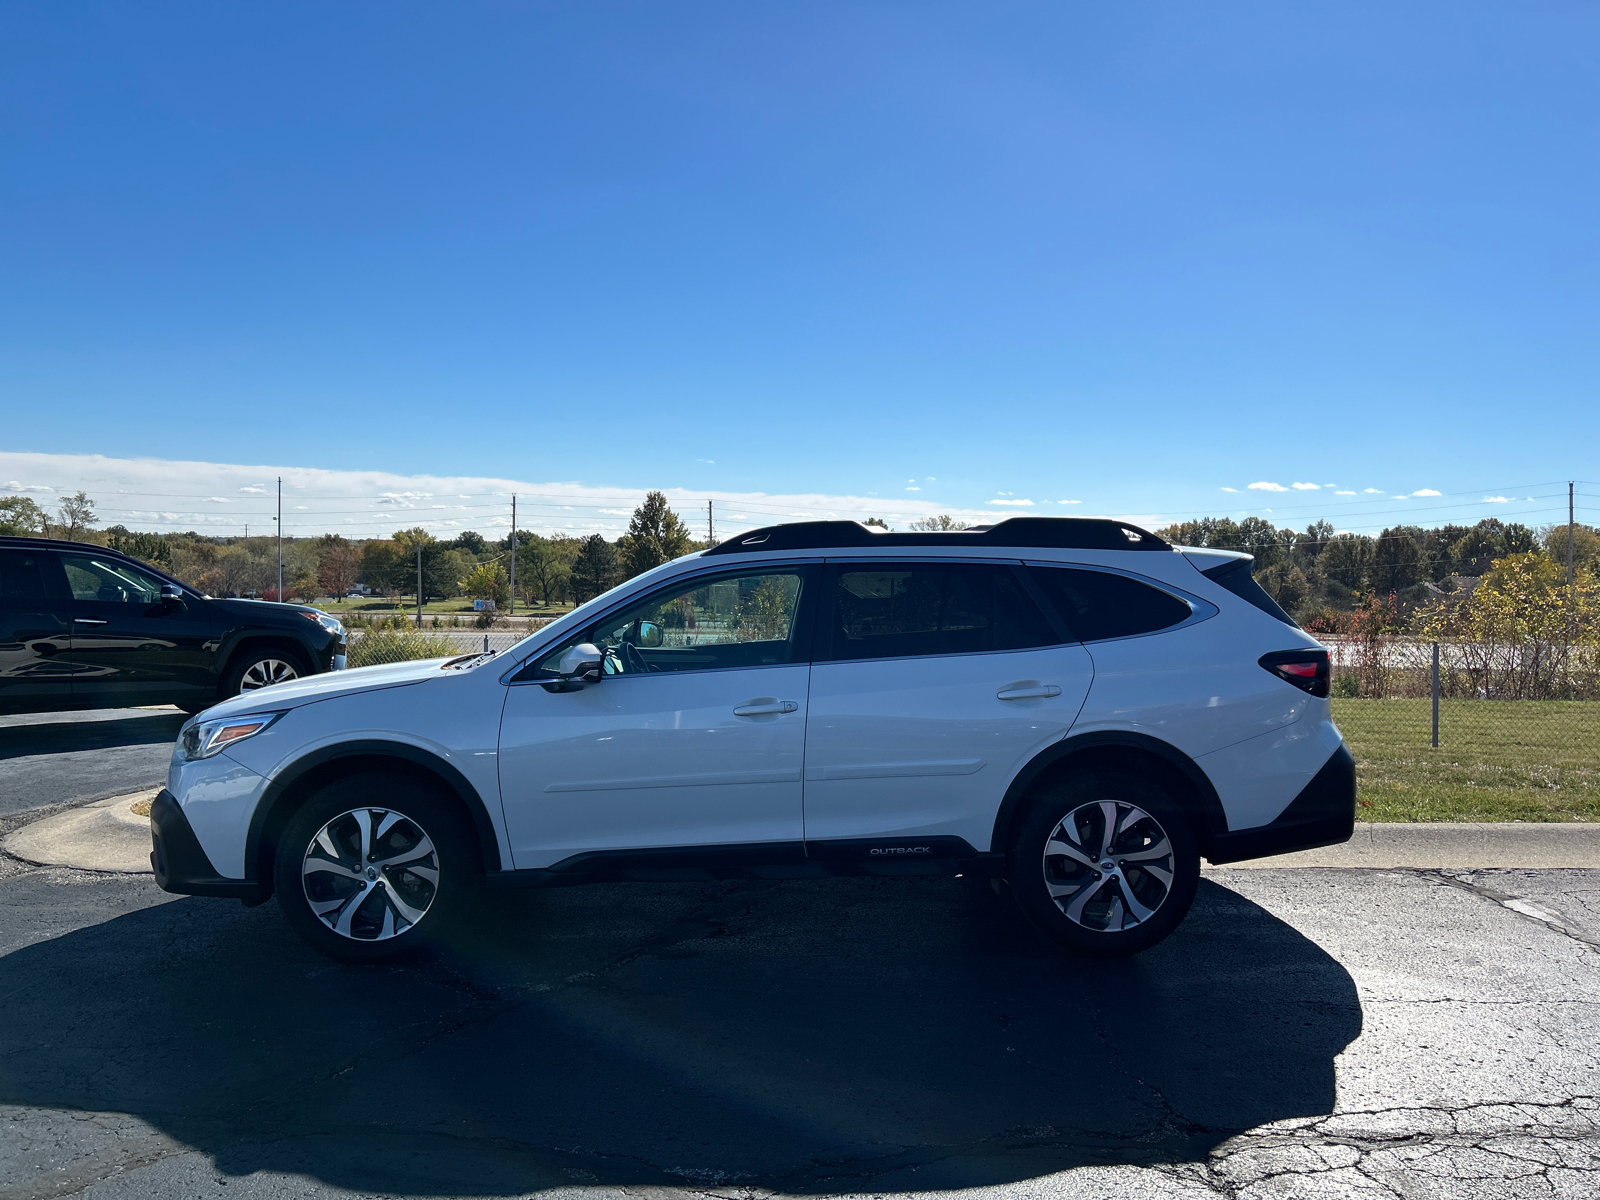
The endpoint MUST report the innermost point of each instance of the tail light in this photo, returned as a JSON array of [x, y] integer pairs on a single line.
[[1308, 670]]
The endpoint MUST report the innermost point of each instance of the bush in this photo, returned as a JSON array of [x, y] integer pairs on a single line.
[[377, 646]]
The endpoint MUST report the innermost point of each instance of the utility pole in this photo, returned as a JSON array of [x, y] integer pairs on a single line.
[[513, 554], [1570, 527], [419, 583], [279, 519], [711, 524]]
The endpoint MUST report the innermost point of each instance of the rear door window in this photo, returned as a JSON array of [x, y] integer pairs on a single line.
[[899, 610], [21, 576], [1098, 605]]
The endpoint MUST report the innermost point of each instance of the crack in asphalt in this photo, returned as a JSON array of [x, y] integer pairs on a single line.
[[1511, 903]]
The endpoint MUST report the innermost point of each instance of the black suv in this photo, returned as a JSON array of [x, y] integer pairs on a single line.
[[86, 627]]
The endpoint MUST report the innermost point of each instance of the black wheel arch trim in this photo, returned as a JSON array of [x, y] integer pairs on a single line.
[[1213, 822], [283, 783], [239, 640]]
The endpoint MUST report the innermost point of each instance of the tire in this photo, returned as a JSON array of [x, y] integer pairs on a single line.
[[255, 669], [375, 867], [1098, 904]]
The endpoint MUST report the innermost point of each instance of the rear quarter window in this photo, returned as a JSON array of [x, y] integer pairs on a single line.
[[1098, 606]]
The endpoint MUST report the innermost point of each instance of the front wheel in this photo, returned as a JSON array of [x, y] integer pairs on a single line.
[[1106, 864], [258, 669], [373, 867]]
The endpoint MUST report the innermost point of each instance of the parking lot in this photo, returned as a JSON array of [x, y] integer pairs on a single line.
[[1307, 1032]]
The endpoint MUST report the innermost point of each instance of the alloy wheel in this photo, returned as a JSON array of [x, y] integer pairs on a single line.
[[267, 672], [1108, 866], [370, 874]]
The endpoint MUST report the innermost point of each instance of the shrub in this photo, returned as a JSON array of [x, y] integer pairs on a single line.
[[377, 646]]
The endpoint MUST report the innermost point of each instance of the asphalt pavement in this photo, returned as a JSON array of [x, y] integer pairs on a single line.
[[1308, 1032], [49, 759]]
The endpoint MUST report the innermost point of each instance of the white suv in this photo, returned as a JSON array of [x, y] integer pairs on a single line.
[[1070, 705]]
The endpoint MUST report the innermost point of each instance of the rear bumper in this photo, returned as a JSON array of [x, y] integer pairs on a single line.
[[181, 866], [1323, 814]]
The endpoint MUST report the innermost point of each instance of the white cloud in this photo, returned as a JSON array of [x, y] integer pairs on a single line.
[[14, 486], [217, 500], [710, 462], [930, 479], [913, 489], [1226, 489], [1372, 491], [158, 494], [1330, 485], [254, 490], [1028, 503], [1496, 499], [1265, 486], [1344, 493], [1426, 492], [1306, 487], [1069, 501]]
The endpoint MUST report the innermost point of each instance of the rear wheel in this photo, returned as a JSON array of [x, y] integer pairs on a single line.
[[1106, 864], [375, 866]]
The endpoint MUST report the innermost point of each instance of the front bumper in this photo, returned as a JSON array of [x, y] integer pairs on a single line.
[[181, 866], [1323, 814]]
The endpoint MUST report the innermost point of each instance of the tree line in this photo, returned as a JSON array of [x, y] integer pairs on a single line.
[[551, 569]]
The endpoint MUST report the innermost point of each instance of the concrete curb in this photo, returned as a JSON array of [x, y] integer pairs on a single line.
[[104, 836], [1451, 846]]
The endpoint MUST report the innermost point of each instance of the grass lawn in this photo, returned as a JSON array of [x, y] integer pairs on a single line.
[[1498, 760]]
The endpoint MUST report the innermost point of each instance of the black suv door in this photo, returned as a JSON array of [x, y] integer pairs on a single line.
[[128, 647], [34, 635]]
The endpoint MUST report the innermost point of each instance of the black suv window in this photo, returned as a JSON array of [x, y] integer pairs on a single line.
[[109, 580], [21, 575], [895, 610], [1097, 605]]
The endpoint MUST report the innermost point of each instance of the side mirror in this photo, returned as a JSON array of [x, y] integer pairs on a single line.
[[172, 595], [581, 664], [649, 635]]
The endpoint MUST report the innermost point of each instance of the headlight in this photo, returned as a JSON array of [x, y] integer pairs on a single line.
[[331, 624], [205, 738]]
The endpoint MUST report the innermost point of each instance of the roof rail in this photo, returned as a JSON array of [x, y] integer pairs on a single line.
[[1053, 533]]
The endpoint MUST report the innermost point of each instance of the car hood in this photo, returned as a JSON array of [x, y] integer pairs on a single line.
[[323, 687], [261, 610]]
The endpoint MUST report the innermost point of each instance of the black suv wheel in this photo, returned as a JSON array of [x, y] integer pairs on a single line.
[[1105, 863], [255, 669]]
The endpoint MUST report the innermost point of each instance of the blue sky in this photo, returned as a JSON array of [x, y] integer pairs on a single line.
[[1125, 255]]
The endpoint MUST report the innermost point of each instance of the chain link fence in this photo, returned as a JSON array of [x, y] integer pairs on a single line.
[[395, 642], [1470, 731]]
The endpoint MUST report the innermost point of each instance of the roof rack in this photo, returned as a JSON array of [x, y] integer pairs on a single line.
[[1053, 533]]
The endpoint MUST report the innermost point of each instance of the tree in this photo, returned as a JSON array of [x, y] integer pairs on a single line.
[[20, 517], [471, 542], [944, 522], [1585, 546], [879, 522], [544, 565], [1396, 560], [150, 547], [1475, 553], [77, 512], [487, 582], [655, 535], [383, 567], [339, 568], [595, 569]]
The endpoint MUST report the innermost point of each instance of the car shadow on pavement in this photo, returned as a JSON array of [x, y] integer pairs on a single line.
[[835, 1036], [88, 733]]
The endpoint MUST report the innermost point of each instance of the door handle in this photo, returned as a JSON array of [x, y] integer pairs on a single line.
[[764, 708], [87, 621], [1037, 692]]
